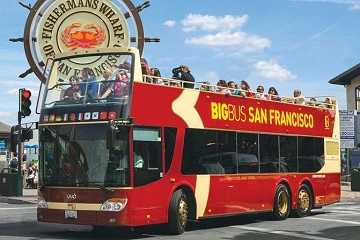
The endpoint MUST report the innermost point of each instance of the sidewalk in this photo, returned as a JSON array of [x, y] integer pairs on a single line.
[[346, 191], [30, 195]]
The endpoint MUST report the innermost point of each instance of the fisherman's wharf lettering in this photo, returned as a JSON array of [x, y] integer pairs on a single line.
[[70, 25]]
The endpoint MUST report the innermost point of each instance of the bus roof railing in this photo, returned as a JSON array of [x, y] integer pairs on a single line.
[[314, 101]]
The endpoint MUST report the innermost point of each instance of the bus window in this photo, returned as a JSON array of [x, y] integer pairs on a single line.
[[311, 152], [198, 144], [117, 171], [147, 155], [247, 156], [288, 153], [169, 143], [269, 153]]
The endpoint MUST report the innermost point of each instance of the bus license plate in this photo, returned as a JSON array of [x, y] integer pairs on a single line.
[[70, 214]]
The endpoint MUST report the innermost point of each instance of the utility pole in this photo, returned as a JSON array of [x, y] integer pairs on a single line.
[[19, 181], [24, 111]]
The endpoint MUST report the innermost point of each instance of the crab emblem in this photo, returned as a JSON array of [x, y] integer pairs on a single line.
[[85, 38]]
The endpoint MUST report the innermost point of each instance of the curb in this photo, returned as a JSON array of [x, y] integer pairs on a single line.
[[13, 200], [345, 183]]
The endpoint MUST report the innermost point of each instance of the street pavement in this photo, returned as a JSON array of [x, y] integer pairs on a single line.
[[30, 195]]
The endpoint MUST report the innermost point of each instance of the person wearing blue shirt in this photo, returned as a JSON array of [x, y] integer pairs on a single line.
[[88, 87]]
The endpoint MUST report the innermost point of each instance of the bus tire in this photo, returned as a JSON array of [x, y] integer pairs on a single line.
[[178, 213], [304, 202], [282, 207]]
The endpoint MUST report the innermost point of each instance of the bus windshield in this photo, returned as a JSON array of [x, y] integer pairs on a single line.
[[88, 91], [76, 155]]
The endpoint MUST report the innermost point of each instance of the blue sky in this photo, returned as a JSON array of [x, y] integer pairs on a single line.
[[287, 44]]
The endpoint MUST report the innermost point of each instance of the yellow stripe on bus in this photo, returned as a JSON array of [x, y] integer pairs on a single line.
[[189, 114], [74, 206], [202, 193]]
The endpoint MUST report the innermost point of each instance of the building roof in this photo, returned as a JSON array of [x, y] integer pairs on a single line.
[[346, 77], [4, 128]]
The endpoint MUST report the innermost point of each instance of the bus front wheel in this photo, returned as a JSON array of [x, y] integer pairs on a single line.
[[304, 202], [282, 207], [178, 212]]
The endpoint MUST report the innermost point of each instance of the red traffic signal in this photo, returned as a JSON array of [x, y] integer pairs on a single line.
[[26, 94], [25, 102]]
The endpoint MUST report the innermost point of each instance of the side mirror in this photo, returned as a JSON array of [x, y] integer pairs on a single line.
[[111, 131]]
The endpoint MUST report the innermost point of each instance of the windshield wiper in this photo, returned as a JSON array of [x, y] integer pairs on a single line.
[[101, 187]]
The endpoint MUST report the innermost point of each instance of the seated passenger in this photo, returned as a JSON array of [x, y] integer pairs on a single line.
[[205, 87], [121, 87], [274, 95], [233, 88], [157, 76], [328, 103], [107, 86], [71, 92], [260, 93], [223, 87], [298, 99], [245, 89], [312, 102]]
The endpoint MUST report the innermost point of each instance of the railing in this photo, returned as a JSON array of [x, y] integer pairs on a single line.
[[313, 101]]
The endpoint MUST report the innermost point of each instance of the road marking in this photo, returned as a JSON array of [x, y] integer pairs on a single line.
[[291, 234], [334, 220], [18, 208], [344, 212]]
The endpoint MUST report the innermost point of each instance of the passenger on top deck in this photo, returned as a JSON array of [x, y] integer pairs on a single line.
[[273, 94], [223, 87], [71, 92], [88, 86], [245, 89], [121, 88], [186, 76], [106, 86], [328, 103], [233, 88], [157, 76], [298, 99], [260, 93]]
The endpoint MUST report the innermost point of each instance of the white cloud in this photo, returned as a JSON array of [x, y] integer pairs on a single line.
[[226, 38], [355, 5], [243, 41], [212, 76], [193, 22], [170, 23], [272, 70]]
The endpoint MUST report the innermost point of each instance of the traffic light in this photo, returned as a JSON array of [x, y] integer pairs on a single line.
[[14, 138], [26, 135], [25, 102]]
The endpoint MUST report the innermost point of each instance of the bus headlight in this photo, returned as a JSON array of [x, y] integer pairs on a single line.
[[41, 203], [114, 204]]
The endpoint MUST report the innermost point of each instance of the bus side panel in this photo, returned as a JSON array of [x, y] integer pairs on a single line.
[[333, 188], [240, 194], [150, 203]]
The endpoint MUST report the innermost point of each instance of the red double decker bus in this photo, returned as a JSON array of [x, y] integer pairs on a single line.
[[163, 154]]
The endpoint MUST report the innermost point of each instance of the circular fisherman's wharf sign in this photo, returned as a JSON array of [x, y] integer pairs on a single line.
[[56, 26]]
